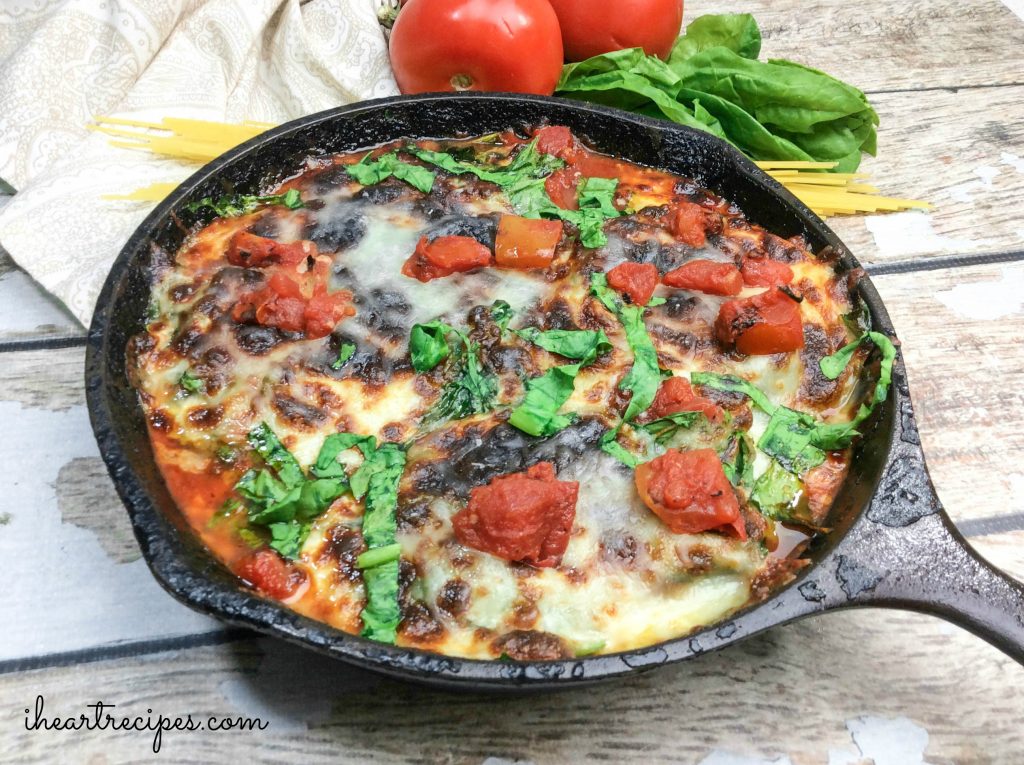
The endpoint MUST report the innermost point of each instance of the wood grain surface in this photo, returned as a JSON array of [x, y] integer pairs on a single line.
[[87, 622]]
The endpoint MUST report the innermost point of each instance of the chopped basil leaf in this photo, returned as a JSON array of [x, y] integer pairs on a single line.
[[654, 302], [538, 415], [734, 384], [190, 383], [265, 443], [251, 538], [379, 555], [344, 354], [327, 465], [288, 538], [776, 492], [240, 204], [428, 344], [644, 377], [664, 428], [370, 172], [502, 313], [523, 182], [610, 445], [788, 438], [833, 366], [738, 459], [382, 613]]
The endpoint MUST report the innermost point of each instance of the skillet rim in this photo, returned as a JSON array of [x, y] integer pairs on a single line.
[[165, 551]]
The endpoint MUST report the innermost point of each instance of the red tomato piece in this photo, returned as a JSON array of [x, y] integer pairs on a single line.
[[557, 140], [270, 574], [676, 395], [689, 223], [762, 324], [446, 45], [765, 272], [323, 312], [592, 28], [251, 251], [599, 166], [563, 187], [689, 492], [445, 256], [635, 280], [526, 242], [706, 276], [525, 517]]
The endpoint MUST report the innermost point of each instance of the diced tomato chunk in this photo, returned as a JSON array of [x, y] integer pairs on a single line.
[[599, 166], [557, 140], [635, 280], [762, 324], [270, 574], [525, 517], [689, 492], [676, 395], [526, 242], [563, 187], [323, 312], [689, 223], [445, 256], [251, 251], [708, 276], [765, 272]]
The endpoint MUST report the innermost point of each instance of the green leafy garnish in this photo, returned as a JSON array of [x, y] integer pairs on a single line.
[[644, 377], [379, 555], [738, 459], [191, 384], [734, 384], [523, 182], [788, 438], [502, 313], [776, 492], [382, 612], [344, 354], [538, 414], [240, 204], [370, 172], [664, 428], [713, 82], [287, 538], [610, 445], [471, 391]]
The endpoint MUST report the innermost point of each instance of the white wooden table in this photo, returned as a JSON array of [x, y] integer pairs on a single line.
[[83, 620]]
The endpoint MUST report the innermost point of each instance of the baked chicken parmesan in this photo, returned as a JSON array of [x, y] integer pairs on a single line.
[[503, 396]]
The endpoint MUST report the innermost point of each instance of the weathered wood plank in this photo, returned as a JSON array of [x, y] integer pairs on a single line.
[[881, 46], [962, 333], [972, 170], [27, 312], [854, 687], [966, 374]]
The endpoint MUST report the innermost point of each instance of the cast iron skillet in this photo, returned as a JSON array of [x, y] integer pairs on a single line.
[[892, 545]]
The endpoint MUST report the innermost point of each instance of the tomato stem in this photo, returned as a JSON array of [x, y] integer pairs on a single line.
[[461, 82]]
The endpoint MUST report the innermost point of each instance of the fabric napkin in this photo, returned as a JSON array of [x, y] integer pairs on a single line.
[[62, 62]]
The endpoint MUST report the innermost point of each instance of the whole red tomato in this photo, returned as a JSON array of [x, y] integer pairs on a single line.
[[592, 28], [444, 45]]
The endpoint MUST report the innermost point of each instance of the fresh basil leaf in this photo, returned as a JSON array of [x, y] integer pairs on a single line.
[[288, 538], [327, 465], [645, 376], [734, 384], [471, 391], [664, 428], [738, 459], [190, 383], [582, 344], [538, 414], [344, 354], [654, 302], [265, 443], [381, 614], [787, 438], [502, 313], [428, 345], [776, 492], [833, 366], [736, 31], [370, 172], [240, 204], [599, 194], [379, 555], [610, 445]]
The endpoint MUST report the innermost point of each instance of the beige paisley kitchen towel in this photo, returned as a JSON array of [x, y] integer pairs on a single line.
[[64, 61]]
